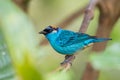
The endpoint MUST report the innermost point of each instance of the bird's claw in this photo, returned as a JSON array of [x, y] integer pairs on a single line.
[[68, 60]]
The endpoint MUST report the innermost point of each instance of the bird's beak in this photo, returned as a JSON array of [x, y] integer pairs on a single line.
[[42, 32]]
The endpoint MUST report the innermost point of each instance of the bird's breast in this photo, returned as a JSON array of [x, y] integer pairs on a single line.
[[65, 49]]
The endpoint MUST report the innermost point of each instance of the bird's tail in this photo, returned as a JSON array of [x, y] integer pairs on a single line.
[[101, 39]]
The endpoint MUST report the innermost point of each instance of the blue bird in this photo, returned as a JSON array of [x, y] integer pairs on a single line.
[[68, 42]]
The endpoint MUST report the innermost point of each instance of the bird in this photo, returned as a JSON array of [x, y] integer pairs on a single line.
[[67, 42]]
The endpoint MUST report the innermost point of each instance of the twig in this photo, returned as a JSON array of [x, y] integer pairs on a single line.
[[89, 14]]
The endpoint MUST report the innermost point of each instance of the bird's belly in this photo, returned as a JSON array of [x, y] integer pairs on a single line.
[[68, 49]]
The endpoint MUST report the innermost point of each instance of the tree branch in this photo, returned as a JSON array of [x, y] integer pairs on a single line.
[[23, 4], [109, 14], [89, 14]]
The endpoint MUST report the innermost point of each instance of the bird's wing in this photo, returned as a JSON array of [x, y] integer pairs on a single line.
[[67, 38]]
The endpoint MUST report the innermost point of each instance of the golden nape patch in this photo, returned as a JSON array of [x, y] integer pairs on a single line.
[[53, 26]]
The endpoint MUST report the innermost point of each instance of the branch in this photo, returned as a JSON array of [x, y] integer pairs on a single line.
[[23, 4], [109, 14], [89, 14]]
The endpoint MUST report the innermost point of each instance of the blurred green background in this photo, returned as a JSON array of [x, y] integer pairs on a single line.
[[19, 43]]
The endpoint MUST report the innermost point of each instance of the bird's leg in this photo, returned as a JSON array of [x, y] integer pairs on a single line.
[[66, 64], [68, 60]]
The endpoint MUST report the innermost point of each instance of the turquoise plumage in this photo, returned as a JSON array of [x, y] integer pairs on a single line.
[[68, 42]]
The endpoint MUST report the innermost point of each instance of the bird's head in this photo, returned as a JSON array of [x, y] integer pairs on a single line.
[[50, 30]]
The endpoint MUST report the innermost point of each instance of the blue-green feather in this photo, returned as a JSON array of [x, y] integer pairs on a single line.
[[68, 42]]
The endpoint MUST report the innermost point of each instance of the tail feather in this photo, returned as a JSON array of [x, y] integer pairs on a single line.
[[101, 39]]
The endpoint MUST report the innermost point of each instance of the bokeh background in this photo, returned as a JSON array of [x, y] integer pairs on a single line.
[[23, 58]]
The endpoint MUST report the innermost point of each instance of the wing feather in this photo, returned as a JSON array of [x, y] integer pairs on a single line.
[[67, 38]]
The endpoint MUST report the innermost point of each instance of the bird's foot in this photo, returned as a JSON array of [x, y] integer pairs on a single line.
[[68, 60], [66, 64]]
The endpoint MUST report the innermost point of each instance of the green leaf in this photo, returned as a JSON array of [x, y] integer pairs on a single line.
[[6, 69], [108, 60], [21, 40]]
